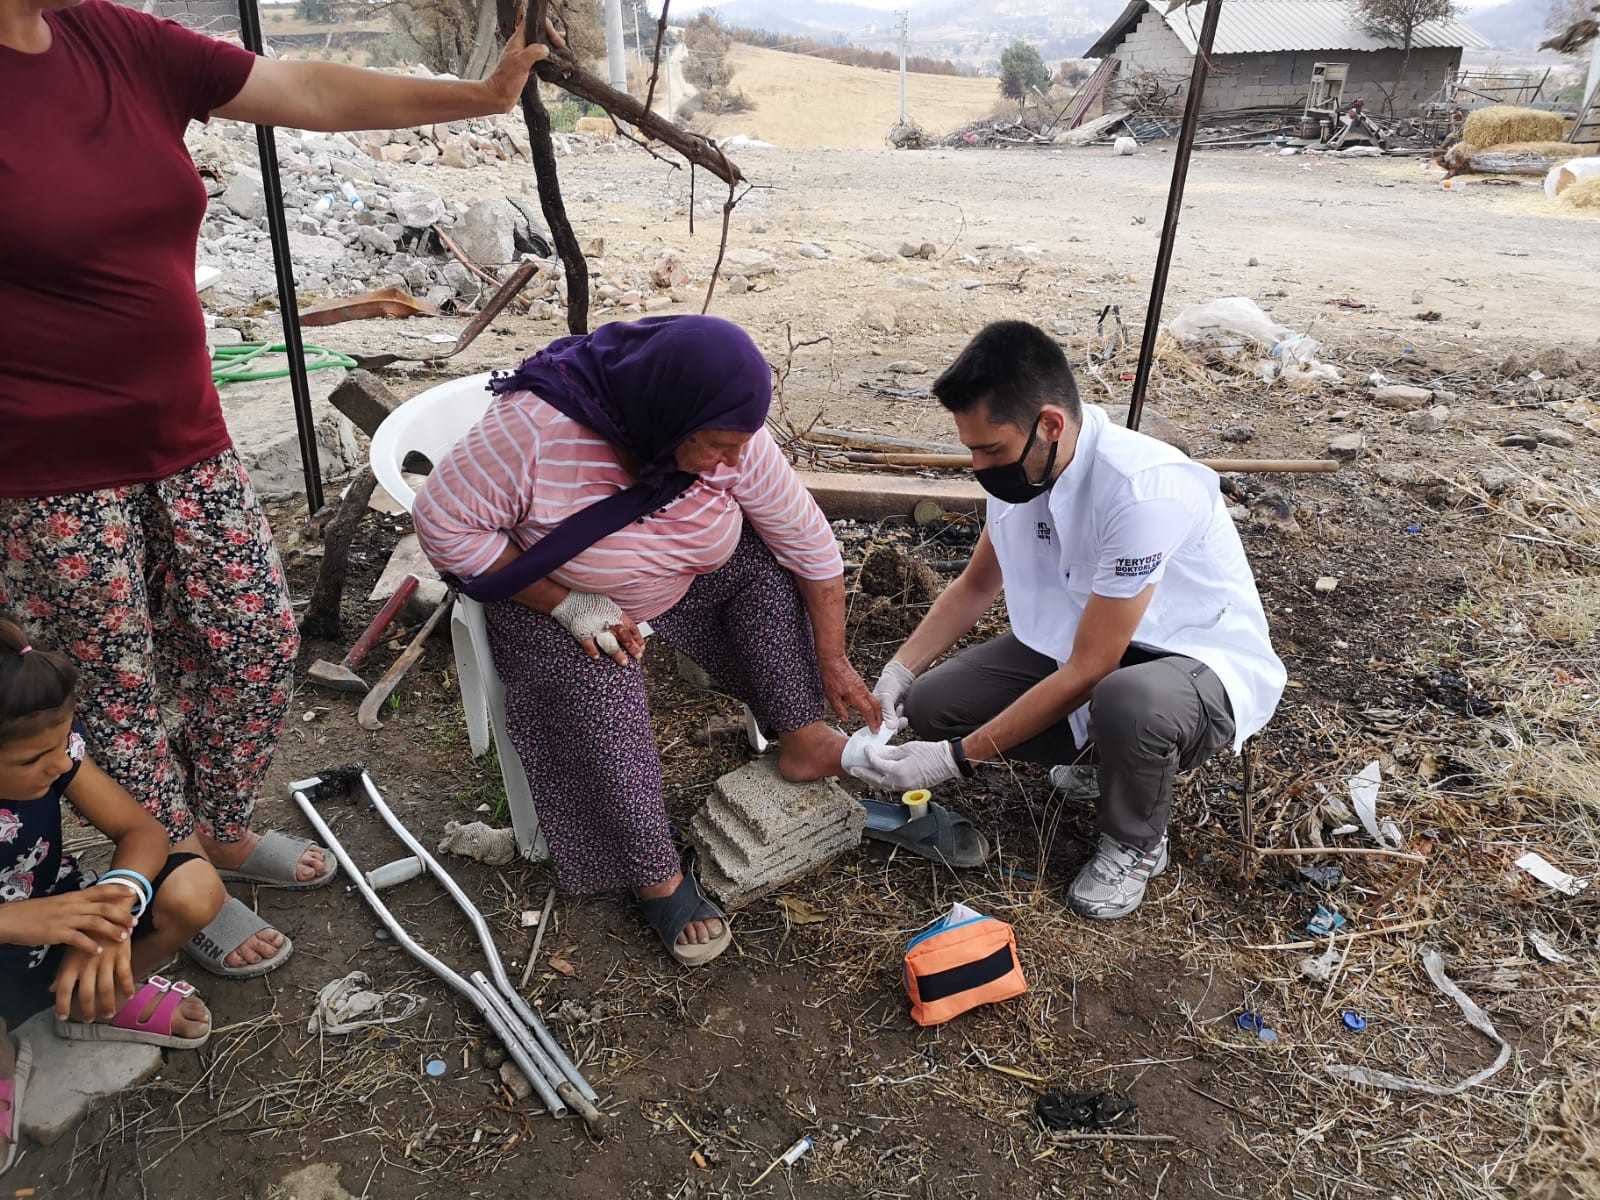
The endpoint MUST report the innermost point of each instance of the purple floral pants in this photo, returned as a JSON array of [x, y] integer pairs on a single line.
[[166, 594], [582, 727]]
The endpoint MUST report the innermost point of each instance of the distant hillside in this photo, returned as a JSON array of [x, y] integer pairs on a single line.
[[970, 32]]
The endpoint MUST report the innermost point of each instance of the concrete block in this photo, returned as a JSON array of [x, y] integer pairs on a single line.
[[260, 419], [71, 1079], [408, 559], [758, 831]]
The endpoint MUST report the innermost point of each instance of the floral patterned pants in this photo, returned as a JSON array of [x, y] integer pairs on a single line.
[[171, 599]]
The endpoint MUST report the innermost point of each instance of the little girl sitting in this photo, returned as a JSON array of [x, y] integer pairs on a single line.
[[66, 937]]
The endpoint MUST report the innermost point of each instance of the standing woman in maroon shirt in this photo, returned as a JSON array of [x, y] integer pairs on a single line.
[[129, 533]]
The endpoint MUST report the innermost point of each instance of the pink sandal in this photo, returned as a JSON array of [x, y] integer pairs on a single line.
[[126, 1026], [11, 1095]]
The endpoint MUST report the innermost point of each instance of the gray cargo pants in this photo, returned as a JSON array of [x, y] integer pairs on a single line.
[[1154, 716]]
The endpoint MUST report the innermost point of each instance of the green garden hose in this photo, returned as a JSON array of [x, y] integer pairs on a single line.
[[232, 364]]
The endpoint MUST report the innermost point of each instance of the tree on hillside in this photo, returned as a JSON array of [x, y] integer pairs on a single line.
[[1022, 71], [706, 65], [1400, 19]]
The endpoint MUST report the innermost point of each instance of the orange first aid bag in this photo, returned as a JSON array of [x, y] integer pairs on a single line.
[[963, 960]]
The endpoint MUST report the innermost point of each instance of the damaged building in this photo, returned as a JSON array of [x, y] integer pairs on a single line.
[[1277, 54]]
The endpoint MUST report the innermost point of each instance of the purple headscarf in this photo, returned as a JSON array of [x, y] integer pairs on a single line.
[[645, 387]]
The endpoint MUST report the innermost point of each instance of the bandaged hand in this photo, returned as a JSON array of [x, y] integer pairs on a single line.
[[907, 767], [891, 688], [597, 622]]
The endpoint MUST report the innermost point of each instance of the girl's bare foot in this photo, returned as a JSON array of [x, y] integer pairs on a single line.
[[695, 933], [811, 752]]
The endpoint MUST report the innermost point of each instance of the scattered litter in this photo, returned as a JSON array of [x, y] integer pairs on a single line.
[[436, 1067], [1125, 146], [1327, 583], [562, 967], [1476, 1017], [1251, 1022], [1089, 1112], [1320, 969], [530, 918], [1545, 948], [1413, 529], [1322, 877], [1231, 322], [787, 1159], [1550, 875], [1364, 797], [1353, 1021], [349, 1004], [480, 842], [1324, 922]]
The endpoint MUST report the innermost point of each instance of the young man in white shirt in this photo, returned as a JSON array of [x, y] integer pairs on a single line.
[[1136, 628]]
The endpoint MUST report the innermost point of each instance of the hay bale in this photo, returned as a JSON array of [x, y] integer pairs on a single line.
[[1500, 124], [1584, 194]]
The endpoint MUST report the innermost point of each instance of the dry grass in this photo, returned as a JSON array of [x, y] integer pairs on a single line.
[[1585, 194], [1501, 124]]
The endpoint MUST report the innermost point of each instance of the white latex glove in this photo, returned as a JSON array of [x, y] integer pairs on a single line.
[[891, 688], [589, 617], [904, 768]]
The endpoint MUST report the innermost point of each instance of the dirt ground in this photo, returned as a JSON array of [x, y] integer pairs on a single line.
[[1457, 650]]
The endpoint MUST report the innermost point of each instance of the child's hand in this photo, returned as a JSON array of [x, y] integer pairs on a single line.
[[85, 920], [101, 982]]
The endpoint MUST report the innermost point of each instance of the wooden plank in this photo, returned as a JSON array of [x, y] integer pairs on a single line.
[[1092, 91]]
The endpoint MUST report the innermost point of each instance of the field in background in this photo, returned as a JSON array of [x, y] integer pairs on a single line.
[[808, 102]]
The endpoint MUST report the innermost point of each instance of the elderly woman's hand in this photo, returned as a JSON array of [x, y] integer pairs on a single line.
[[846, 690], [600, 626]]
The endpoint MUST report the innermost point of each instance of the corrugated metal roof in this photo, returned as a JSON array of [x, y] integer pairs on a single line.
[[1267, 26]]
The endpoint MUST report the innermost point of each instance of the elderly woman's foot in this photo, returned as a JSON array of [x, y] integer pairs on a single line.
[[695, 933], [811, 752]]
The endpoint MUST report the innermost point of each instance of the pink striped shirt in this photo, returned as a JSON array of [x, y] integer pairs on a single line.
[[526, 467]]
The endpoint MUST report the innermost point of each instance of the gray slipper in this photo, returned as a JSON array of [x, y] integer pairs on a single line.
[[941, 836], [669, 914], [231, 928], [272, 864]]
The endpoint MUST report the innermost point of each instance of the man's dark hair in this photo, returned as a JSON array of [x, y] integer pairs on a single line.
[[1016, 368]]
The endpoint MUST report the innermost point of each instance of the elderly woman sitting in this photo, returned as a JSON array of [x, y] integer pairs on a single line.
[[627, 476]]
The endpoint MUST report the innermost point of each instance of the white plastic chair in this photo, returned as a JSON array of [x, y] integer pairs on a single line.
[[429, 424]]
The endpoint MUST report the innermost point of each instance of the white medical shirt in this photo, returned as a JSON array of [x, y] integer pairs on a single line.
[[1130, 511]]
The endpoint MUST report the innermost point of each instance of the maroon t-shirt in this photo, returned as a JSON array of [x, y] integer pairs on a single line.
[[104, 374]]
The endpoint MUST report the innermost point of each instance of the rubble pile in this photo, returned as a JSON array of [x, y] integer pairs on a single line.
[[353, 226]]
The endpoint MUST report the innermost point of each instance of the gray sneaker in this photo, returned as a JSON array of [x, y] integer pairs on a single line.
[[1075, 782], [1112, 884]]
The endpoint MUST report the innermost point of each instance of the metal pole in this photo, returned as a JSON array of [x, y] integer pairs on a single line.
[[1169, 227], [638, 43], [283, 263], [616, 54], [905, 19]]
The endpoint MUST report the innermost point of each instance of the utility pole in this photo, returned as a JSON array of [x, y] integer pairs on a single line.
[[638, 45], [616, 53], [905, 18]]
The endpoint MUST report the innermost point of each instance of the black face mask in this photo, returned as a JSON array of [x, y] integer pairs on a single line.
[[1011, 483]]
